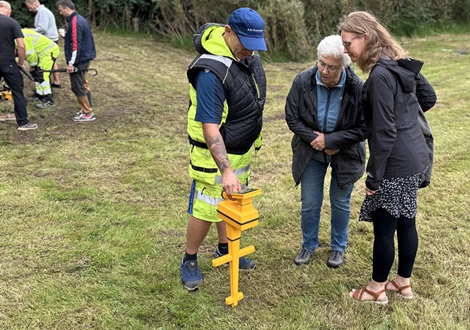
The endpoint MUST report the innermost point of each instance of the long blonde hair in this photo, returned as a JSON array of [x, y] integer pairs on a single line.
[[378, 40]]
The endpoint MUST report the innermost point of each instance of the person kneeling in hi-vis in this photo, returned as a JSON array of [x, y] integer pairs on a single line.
[[227, 94], [41, 54]]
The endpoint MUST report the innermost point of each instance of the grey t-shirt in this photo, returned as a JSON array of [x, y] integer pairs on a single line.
[[44, 23]]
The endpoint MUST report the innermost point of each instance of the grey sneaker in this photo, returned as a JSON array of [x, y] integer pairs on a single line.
[[48, 104], [27, 127], [336, 259], [303, 257]]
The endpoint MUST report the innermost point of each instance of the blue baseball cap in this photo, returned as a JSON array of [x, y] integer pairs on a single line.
[[249, 27]]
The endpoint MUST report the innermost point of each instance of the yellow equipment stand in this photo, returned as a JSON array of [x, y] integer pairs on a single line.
[[239, 215], [5, 92], [6, 95]]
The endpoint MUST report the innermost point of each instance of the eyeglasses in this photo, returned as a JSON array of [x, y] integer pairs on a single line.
[[329, 68], [347, 44]]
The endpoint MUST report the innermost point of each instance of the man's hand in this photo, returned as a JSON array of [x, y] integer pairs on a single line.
[[70, 69], [230, 183]]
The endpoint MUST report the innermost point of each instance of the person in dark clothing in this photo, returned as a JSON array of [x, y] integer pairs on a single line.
[[323, 110], [9, 68], [399, 156], [79, 49]]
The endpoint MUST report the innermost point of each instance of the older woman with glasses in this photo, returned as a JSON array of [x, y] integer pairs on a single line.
[[393, 94], [323, 110]]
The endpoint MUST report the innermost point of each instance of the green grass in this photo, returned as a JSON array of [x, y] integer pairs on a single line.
[[94, 214]]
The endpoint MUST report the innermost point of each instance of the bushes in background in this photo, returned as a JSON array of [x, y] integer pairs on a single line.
[[293, 27]]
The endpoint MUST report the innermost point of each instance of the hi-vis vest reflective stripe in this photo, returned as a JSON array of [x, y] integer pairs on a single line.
[[208, 199], [203, 168], [238, 171], [224, 60]]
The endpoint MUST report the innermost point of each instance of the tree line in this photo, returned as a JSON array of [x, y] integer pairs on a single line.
[[292, 26]]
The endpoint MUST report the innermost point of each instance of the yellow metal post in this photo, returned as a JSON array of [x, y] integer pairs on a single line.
[[239, 215]]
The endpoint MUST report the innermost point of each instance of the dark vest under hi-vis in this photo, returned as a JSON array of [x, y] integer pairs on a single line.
[[245, 89]]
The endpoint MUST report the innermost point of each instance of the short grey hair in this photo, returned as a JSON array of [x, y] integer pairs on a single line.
[[332, 46]]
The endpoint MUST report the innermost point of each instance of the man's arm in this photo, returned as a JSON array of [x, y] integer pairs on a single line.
[[216, 145], [40, 23], [21, 51], [74, 35]]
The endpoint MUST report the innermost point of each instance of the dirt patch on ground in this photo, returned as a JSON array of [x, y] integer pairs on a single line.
[[110, 104]]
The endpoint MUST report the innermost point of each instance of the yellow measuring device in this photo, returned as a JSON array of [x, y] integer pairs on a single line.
[[238, 214]]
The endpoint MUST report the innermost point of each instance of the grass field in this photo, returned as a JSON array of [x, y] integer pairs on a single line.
[[93, 215]]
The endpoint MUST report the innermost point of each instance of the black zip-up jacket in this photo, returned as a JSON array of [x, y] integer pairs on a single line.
[[79, 45], [391, 106], [349, 133]]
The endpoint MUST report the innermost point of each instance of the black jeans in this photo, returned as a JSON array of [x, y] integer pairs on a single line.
[[12, 75], [385, 226]]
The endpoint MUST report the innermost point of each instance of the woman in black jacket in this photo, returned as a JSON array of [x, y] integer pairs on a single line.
[[398, 152], [324, 113]]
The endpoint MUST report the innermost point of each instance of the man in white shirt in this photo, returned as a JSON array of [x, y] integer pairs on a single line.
[[44, 23]]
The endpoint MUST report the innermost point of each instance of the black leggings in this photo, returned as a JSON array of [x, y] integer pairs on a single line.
[[384, 248]]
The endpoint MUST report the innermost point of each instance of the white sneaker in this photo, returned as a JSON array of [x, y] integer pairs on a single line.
[[85, 117]]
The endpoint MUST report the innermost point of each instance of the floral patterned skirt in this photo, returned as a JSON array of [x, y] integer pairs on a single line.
[[397, 196]]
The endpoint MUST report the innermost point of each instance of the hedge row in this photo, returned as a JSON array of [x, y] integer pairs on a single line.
[[292, 26]]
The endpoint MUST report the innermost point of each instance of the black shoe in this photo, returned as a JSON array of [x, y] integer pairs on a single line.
[[56, 85]]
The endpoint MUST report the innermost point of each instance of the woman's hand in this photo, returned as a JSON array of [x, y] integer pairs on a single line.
[[370, 192], [331, 152], [319, 142]]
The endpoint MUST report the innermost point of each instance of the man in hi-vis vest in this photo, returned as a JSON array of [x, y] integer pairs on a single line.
[[227, 93], [41, 54]]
